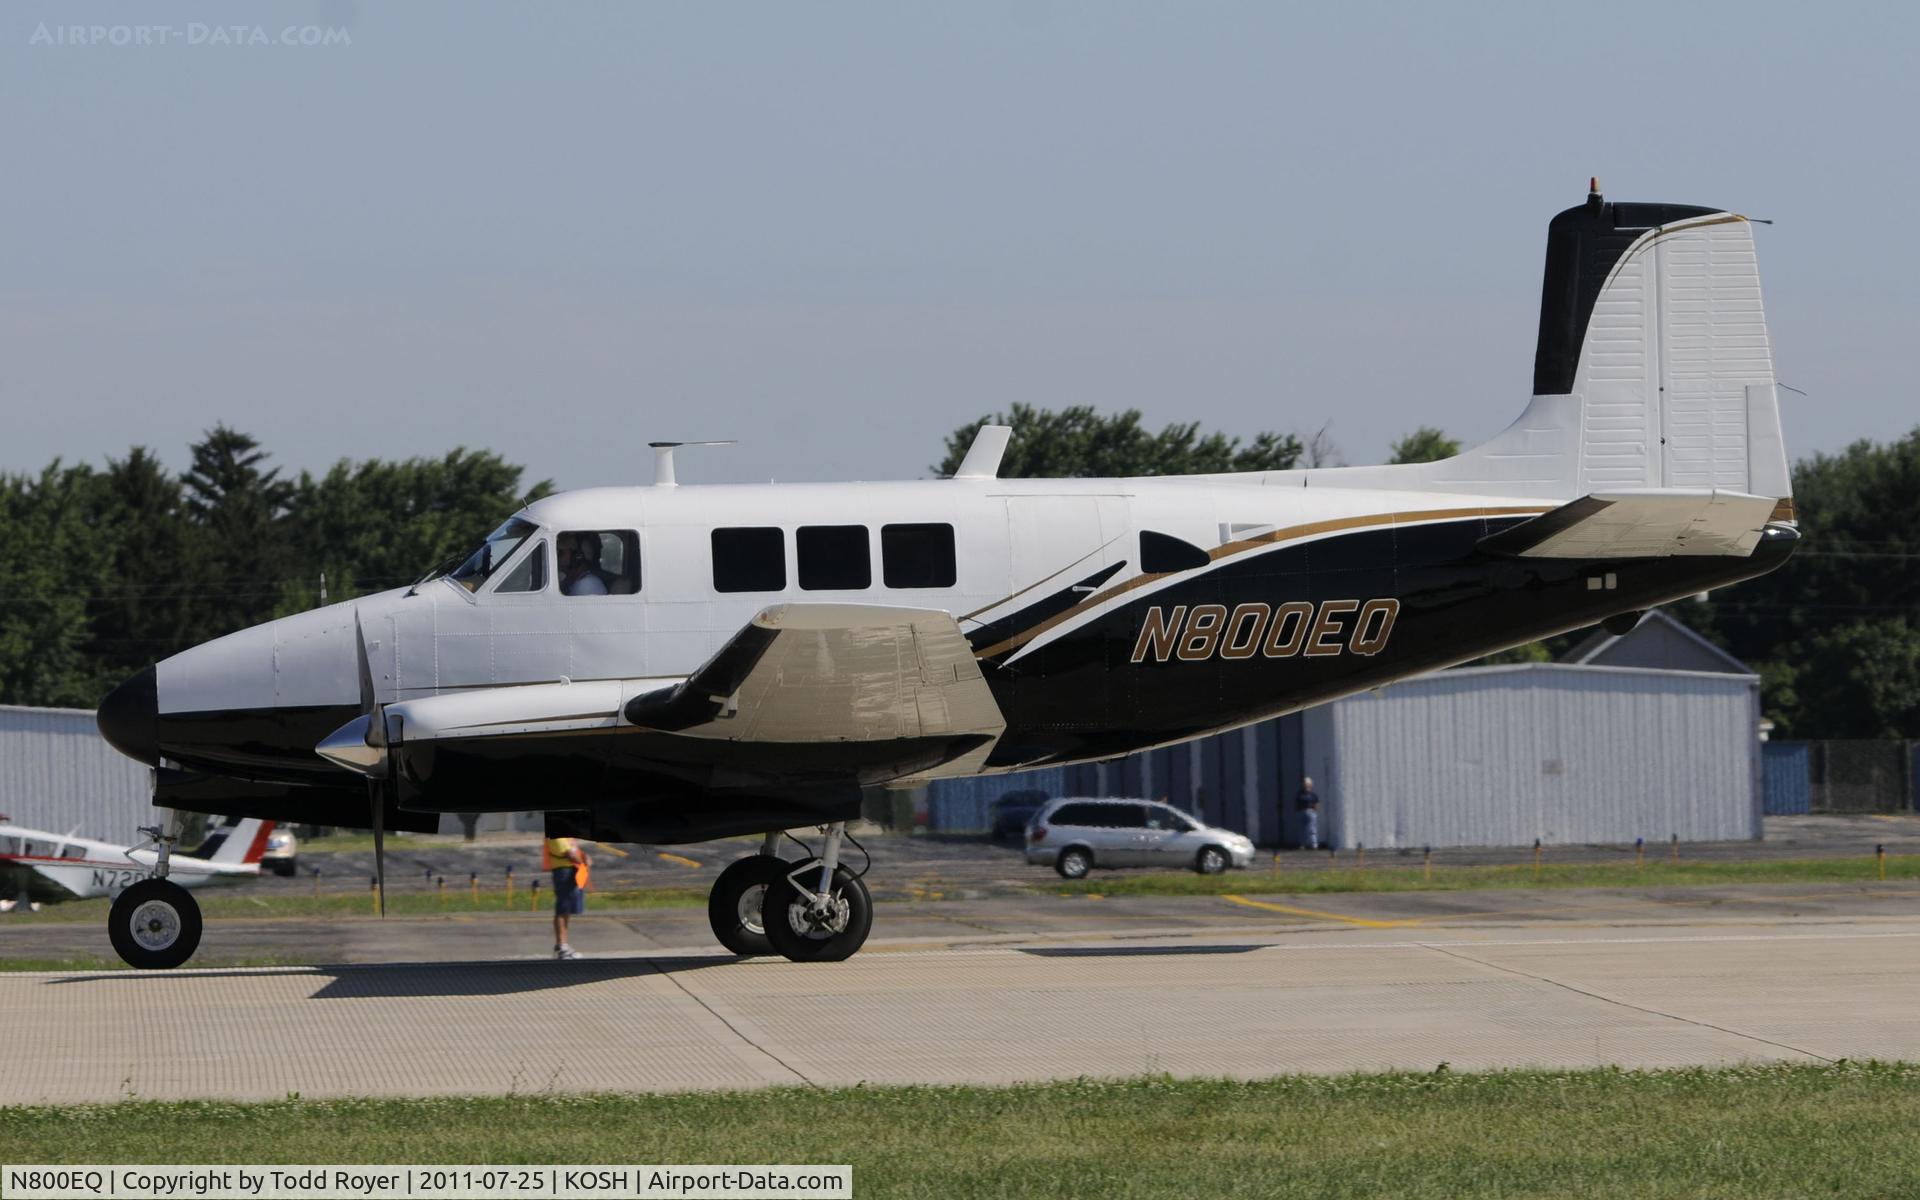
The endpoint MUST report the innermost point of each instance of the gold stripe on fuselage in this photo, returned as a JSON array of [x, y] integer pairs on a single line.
[[1259, 542]]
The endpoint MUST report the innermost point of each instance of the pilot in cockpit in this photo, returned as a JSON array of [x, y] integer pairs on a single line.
[[579, 555]]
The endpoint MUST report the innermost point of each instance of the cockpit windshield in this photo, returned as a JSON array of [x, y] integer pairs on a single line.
[[493, 552]]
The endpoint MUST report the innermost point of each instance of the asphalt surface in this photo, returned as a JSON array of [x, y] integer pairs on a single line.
[[973, 975], [998, 990]]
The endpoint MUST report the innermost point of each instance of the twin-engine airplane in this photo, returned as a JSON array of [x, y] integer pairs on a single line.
[[665, 664]]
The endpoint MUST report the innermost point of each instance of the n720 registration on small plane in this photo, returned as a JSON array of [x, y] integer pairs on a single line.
[[669, 664]]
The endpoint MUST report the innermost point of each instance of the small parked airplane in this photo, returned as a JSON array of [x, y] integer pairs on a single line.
[[41, 867], [665, 664]]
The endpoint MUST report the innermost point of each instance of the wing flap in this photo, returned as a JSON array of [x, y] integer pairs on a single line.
[[1641, 524]]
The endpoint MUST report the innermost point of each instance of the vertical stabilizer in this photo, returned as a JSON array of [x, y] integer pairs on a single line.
[[1653, 369], [242, 841], [1651, 318]]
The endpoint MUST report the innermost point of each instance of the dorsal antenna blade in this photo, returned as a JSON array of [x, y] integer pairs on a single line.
[[663, 475], [983, 457]]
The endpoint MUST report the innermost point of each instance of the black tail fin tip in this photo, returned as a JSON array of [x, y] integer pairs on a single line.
[[1583, 244]]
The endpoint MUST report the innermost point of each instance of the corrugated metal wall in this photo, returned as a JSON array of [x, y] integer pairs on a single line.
[[58, 774], [1499, 756], [1788, 788]]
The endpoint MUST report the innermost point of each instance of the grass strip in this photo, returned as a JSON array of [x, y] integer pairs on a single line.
[[1300, 874], [1764, 1130]]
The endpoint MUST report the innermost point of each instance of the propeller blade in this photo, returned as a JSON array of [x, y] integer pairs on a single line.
[[379, 842], [361, 744], [367, 698]]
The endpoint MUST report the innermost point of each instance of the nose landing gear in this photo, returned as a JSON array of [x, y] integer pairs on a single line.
[[810, 911], [155, 924]]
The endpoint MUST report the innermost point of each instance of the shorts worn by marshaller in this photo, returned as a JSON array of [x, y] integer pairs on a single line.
[[568, 899]]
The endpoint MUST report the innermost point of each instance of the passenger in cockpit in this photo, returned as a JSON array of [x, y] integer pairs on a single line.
[[579, 555]]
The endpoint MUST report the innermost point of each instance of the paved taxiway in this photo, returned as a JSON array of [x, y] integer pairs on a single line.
[[1001, 990]]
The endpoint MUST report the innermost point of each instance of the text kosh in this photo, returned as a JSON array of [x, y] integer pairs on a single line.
[[1266, 630]]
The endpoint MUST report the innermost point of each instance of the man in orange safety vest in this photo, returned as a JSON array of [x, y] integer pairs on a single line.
[[569, 866]]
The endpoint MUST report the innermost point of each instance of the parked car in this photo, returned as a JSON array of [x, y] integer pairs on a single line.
[[282, 855], [1013, 812], [1073, 836]]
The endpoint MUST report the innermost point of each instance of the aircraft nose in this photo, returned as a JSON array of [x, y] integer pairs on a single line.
[[129, 718]]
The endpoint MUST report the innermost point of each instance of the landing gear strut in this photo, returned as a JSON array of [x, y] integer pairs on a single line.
[[155, 924], [819, 911], [810, 911]]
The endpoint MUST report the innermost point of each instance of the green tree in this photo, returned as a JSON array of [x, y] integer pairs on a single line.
[[1080, 442], [1425, 444], [145, 609], [236, 506], [53, 558], [1860, 680]]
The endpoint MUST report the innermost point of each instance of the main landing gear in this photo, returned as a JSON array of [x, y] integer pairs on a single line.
[[811, 910], [155, 924]]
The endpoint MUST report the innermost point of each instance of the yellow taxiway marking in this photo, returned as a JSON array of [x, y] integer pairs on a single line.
[[682, 859], [1366, 922], [613, 850]]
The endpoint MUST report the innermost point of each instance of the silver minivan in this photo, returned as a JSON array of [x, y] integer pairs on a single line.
[[1073, 836]]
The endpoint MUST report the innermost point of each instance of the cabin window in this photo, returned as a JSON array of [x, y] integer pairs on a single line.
[[529, 576], [493, 553], [598, 562], [73, 850], [749, 560], [917, 556], [833, 557]]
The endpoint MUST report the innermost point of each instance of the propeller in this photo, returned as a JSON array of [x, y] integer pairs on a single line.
[[376, 739], [361, 745]]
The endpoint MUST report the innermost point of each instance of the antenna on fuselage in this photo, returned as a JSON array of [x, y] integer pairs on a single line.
[[663, 460], [984, 455]]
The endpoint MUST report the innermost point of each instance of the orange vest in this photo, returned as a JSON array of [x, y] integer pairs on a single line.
[[550, 859]]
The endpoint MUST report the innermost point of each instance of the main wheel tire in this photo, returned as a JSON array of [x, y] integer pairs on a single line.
[[1073, 863], [1210, 861], [738, 898], [832, 936], [154, 925]]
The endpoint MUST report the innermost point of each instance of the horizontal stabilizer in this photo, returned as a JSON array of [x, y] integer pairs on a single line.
[[1641, 524]]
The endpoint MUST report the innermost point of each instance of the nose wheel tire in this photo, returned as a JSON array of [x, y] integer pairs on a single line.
[[1211, 861], [738, 900], [805, 931], [154, 925]]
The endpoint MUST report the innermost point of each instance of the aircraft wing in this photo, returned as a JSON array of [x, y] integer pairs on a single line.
[[845, 687], [1641, 524]]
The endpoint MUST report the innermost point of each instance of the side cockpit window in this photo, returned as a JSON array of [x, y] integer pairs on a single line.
[[492, 554], [598, 562], [529, 576]]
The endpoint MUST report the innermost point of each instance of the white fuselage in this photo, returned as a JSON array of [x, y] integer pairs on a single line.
[[1013, 540]]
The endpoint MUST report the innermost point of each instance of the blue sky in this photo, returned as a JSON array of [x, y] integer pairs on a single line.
[[835, 231]]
